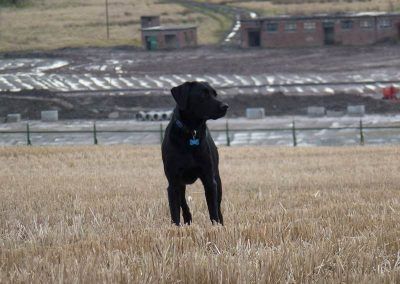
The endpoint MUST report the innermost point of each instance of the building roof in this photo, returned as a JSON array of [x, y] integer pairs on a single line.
[[323, 16], [170, 28]]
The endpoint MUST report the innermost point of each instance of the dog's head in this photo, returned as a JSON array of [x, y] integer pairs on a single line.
[[199, 100]]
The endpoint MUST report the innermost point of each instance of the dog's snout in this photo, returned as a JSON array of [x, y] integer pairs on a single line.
[[224, 107]]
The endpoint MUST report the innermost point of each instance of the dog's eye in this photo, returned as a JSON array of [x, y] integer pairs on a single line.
[[204, 96]]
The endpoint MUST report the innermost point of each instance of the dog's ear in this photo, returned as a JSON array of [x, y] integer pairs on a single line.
[[180, 94]]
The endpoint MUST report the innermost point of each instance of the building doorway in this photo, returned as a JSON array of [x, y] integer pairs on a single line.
[[171, 41], [329, 33], [151, 42], [254, 38]]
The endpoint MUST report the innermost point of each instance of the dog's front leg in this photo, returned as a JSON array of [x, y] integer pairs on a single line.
[[210, 187], [174, 199]]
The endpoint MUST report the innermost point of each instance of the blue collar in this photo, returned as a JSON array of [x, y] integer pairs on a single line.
[[194, 140]]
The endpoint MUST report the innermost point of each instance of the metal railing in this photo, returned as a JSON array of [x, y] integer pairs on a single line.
[[229, 132]]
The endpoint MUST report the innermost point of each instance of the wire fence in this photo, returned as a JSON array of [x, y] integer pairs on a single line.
[[229, 136]]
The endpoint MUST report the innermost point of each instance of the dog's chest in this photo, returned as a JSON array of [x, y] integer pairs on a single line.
[[189, 169], [188, 163], [190, 175]]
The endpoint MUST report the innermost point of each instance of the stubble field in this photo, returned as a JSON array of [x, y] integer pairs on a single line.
[[293, 215]]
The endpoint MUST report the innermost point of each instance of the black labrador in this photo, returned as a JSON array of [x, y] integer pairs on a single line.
[[189, 152]]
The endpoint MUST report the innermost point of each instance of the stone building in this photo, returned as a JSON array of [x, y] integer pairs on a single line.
[[320, 30], [156, 36]]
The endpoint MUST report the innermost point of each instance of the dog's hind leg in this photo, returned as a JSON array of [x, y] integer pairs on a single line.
[[187, 217], [174, 200]]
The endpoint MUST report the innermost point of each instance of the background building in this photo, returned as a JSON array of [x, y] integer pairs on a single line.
[[319, 30], [156, 36]]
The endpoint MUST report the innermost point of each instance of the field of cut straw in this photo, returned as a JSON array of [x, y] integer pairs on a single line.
[[293, 215]]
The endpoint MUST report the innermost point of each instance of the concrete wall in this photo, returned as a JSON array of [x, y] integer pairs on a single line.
[[49, 115]]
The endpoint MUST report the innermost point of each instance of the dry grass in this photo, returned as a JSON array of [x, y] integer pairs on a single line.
[[50, 24], [274, 7], [318, 6], [99, 214]]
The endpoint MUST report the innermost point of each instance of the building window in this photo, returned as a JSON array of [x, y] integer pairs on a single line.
[[272, 27], [366, 24], [309, 26], [290, 26], [347, 24], [385, 23]]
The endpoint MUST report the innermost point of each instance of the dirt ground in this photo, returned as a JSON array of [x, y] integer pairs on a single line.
[[202, 60], [29, 104], [226, 60]]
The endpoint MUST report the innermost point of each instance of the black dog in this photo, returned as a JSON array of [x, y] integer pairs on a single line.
[[188, 151]]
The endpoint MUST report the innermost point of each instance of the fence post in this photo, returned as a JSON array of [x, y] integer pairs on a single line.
[[161, 133], [294, 134], [95, 134], [28, 136], [228, 140], [361, 134]]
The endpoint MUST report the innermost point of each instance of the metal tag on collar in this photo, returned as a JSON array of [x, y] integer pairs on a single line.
[[194, 141]]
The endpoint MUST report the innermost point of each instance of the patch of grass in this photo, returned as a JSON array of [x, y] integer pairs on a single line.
[[318, 6], [274, 7], [221, 23], [51, 24], [100, 214], [14, 3]]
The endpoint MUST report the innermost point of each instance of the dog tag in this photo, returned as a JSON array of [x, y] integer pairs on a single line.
[[194, 142]]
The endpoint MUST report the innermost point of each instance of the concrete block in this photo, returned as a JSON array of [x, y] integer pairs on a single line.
[[141, 115], [255, 113], [49, 115], [334, 113], [13, 117], [356, 110], [153, 115], [315, 111], [113, 115], [166, 115]]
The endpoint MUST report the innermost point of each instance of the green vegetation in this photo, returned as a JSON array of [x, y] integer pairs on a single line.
[[222, 20], [13, 3]]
